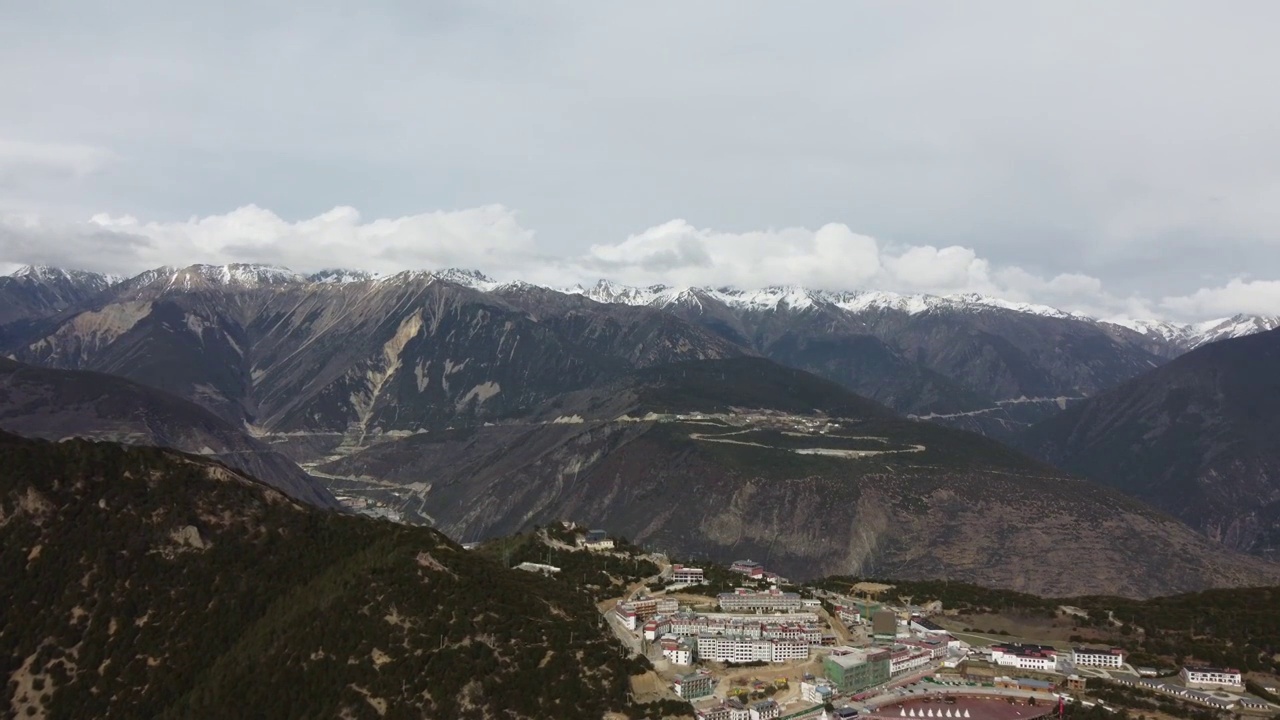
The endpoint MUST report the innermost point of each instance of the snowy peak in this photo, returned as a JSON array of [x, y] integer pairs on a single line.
[[340, 276], [48, 275], [236, 275], [1193, 335]]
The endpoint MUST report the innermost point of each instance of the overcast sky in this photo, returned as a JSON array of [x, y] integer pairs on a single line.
[[1115, 158]]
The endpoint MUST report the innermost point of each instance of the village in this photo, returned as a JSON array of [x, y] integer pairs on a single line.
[[767, 649]]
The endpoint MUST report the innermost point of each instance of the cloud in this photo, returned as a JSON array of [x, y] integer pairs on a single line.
[[1258, 297], [474, 237]]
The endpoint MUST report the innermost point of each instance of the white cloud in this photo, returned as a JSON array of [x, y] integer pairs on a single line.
[[474, 237], [1261, 297], [490, 238]]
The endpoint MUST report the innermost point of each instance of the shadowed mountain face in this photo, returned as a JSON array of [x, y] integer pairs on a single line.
[[355, 359], [1195, 438], [57, 404], [742, 457], [144, 583]]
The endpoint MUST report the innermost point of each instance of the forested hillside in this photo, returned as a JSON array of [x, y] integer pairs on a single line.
[[139, 582]]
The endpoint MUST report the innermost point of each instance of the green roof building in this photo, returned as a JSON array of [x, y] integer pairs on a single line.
[[852, 670]]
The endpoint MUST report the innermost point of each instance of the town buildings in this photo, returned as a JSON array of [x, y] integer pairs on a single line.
[[636, 611], [852, 670], [819, 690], [721, 647], [680, 651], [1103, 658], [690, 575], [1026, 657], [1209, 677], [904, 658], [597, 540], [771, 600], [925, 626], [765, 710], [731, 709], [694, 685], [777, 627]]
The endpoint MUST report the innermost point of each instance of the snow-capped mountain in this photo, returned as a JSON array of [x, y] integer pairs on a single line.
[[978, 361], [37, 290], [1182, 338]]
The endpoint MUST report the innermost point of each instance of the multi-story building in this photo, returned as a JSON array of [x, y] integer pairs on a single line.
[[694, 685], [1093, 657], [817, 691], [848, 613], [692, 575], [771, 600], [765, 710], [747, 567], [722, 647], [637, 611], [903, 659], [853, 670], [657, 626], [680, 651], [1026, 657], [1209, 677]]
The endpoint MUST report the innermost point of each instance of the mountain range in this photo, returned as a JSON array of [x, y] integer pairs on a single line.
[[969, 361], [483, 407]]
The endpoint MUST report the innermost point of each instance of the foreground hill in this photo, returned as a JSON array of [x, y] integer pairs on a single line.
[[56, 404], [1196, 438], [140, 582], [743, 457]]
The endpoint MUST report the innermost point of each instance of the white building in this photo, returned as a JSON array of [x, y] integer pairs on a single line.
[[538, 568], [678, 650], [765, 710], [819, 690], [738, 649], [907, 659], [1093, 657], [690, 575], [772, 600], [1207, 677], [635, 612], [1043, 658]]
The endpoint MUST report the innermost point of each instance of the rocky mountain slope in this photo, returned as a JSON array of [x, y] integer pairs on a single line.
[[351, 359], [353, 354], [140, 582], [1195, 438], [36, 291], [968, 361], [744, 457], [57, 404]]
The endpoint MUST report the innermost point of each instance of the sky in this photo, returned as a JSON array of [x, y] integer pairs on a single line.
[[1118, 159]]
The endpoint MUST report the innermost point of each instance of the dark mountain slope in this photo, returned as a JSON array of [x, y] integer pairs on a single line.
[[35, 292], [742, 457], [144, 583], [1196, 438], [353, 360], [56, 404]]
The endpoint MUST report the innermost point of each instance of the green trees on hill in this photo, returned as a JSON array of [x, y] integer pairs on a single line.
[[268, 609]]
